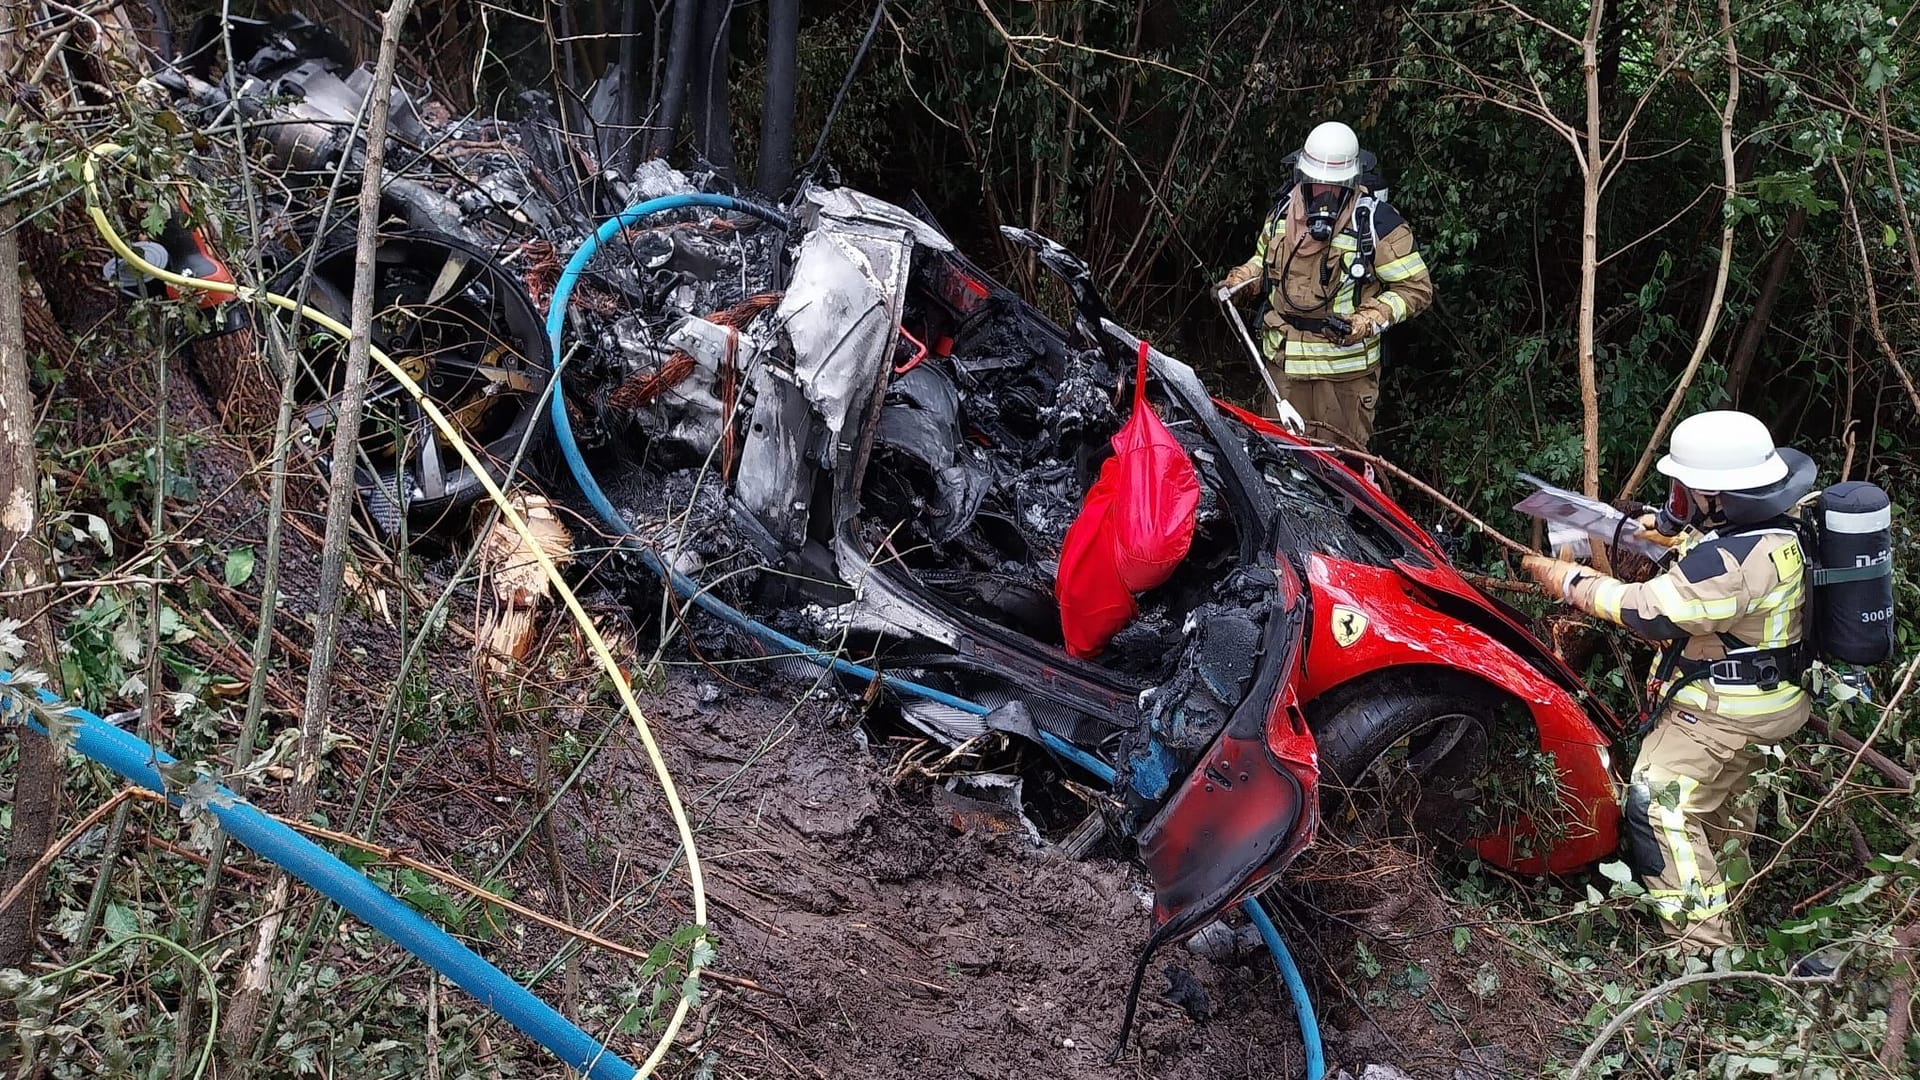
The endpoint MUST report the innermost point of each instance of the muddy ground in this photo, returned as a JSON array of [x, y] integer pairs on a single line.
[[885, 941]]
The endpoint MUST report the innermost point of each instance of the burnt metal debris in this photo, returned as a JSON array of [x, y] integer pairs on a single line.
[[845, 429], [828, 426]]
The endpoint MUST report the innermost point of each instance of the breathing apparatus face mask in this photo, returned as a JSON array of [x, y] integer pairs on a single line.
[[1678, 511], [1323, 210], [1685, 506]]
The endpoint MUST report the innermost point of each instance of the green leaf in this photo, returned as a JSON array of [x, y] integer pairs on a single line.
[[702, 955], [1859, 893], [239, 567], [1460, 938], [120, 921], [1617, 871]]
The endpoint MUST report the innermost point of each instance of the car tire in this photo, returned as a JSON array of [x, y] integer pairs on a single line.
[[452, 308], [1406, 746]]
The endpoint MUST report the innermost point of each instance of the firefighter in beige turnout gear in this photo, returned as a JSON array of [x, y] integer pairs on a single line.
[[1731, 612], [1337, 266]]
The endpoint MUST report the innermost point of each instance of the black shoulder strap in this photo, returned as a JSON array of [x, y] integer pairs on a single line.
[[1364, 237]]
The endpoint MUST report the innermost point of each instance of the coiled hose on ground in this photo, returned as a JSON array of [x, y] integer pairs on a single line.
[[693, 592]]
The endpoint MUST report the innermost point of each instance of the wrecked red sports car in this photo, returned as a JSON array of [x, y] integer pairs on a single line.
[[855, 447]]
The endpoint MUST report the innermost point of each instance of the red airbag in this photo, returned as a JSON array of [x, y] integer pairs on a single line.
[[1133, 529]]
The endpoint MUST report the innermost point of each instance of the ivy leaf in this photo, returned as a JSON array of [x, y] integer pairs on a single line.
[[1859, 893], [239, 567], [119, 921], [1616, 871]]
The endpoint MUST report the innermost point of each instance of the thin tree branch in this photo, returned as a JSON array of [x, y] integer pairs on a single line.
[[342, 495], [1874, 326], [1715, 304], [1641, 1003], [1013, 52]]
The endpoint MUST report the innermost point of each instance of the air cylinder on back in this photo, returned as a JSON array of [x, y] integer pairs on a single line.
[[1854, 606]]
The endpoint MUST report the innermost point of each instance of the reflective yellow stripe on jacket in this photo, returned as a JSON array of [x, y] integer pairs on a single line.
[[1712, 604], [1314, 358]]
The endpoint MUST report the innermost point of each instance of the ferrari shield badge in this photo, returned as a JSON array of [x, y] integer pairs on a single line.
[[1348, 625]]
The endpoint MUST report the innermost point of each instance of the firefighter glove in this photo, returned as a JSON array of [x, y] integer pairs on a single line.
[[1555, 576], [1237, 278], [1364, 324], [1650, 530]]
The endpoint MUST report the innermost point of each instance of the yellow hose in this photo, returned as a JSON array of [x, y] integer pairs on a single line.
[[601, 651]]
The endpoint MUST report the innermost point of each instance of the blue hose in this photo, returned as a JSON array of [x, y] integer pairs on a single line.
[[135, 760], [1296, 986], [687, 587]]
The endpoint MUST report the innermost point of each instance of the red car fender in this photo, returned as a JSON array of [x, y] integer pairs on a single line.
[[1251, 804], [1365, 620]]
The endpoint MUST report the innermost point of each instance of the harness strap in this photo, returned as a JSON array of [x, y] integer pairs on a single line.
[[1767, 669], [1669, 661], [1842, 574], [1332, 325]]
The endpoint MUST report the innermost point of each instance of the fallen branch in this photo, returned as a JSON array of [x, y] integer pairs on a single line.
[[1507, 585], [485, 896], [1644, 1000], [47, 857], [1462, 512], [1893, 1049], [1885, 765]]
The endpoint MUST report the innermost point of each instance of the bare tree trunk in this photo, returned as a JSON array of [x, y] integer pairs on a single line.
[[239, 1024], [1715, 304], [775, 169], [712, 131], [36, 788], [1590, 256], [631, 141], [1740, 365], [673, 94]]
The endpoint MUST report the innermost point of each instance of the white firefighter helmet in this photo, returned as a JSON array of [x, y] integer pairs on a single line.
[[1331, 155], [1723, 450]]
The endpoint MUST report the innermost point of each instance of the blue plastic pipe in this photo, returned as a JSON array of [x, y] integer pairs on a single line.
[[139, 762], [1296, 986], [687, 587]]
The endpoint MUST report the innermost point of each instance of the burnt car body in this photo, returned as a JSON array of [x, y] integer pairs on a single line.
[[875, 449], [825, 425]]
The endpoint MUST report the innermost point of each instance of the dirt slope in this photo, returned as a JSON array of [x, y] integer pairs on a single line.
[[889, 944]]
